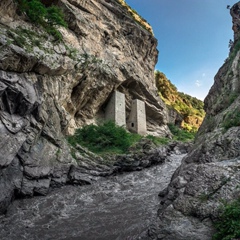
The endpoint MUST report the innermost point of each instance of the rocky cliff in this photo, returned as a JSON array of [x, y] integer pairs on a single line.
[[209, 175], [49, 88]]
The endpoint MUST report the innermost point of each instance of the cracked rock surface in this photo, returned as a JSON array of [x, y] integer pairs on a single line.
[[210, 173], [48, 89]]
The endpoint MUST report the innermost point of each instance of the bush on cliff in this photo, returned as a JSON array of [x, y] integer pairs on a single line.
[[228, 224], [231, 119], [106, 137], [46, 17], [181, 134]]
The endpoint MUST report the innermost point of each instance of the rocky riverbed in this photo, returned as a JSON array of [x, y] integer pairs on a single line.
[[118, 207]]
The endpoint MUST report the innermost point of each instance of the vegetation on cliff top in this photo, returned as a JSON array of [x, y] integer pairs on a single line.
[[49, 16], [190, 108], [139, 19]]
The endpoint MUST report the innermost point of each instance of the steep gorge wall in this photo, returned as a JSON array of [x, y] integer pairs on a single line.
[[209, 174], [48, 89]]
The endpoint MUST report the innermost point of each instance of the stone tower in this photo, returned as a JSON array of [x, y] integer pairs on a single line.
[[137, 118], [115, 109]]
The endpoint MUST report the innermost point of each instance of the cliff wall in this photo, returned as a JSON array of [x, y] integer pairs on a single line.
[[49, 88], [209, 175]]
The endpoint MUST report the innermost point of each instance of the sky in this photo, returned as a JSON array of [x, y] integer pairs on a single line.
[[193, 37]]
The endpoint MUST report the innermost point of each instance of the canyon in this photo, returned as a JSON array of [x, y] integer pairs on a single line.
[[50, 88]]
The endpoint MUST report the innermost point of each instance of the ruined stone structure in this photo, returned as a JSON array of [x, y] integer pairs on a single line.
[[137, 118], [115, 109]]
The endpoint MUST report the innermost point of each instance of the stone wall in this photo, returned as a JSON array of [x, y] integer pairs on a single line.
[[116, 109], [137, 117]]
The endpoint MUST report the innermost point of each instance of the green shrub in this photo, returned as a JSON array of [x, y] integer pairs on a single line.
[[47, 17], [233, 53], [232, 119], [232, 97], [228, 224], [104, 138], [25, 38], [180, 134], [55, 16]]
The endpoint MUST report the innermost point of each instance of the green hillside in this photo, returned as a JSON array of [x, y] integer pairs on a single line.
[[190, 108]]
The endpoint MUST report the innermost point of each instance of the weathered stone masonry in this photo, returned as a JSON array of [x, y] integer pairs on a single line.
[[116, 111], [137, 118]]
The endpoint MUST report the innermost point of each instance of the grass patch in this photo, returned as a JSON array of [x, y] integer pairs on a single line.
[[104, 138], [228, 224], [180, 134]]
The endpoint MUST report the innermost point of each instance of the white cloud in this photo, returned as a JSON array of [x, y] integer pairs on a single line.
[[198, 83], [204, 74]]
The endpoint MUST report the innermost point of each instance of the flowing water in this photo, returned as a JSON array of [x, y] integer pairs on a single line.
[[117, 208]]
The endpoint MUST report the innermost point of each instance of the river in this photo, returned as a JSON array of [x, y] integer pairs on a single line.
[[116, 208]]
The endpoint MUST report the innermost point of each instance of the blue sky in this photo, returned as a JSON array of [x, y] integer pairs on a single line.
[[193, 37]]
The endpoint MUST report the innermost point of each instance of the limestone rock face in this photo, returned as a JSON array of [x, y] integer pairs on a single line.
[[209, 174], [32, 147], [48, 88], [103, 50]]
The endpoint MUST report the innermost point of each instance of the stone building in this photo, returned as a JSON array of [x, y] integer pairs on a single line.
[[116, 109], [137, 119]]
